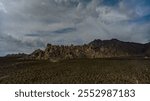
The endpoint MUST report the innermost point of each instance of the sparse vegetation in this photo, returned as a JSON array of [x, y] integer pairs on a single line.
[[14, 70]]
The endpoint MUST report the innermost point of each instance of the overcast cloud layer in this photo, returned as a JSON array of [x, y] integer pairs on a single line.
[[26, 25]]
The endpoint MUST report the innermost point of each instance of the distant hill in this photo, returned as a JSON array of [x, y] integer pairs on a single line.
[[19, 55], [95, 49]]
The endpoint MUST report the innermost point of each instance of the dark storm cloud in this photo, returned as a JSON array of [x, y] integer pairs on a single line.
[[30, 24], [65, 30], [14, 45], [48, 33]]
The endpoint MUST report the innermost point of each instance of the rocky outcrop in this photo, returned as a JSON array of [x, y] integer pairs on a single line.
[[95, 49], [37, 54]]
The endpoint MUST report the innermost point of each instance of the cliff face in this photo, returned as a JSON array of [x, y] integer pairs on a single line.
[[95, 49]]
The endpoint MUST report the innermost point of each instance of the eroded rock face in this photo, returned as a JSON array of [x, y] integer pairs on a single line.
[[37, 54], [95, 49]]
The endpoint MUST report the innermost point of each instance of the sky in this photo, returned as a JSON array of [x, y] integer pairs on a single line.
[[26, 25]]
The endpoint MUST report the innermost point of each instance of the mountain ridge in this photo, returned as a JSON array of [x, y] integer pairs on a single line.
[[95, 49]]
